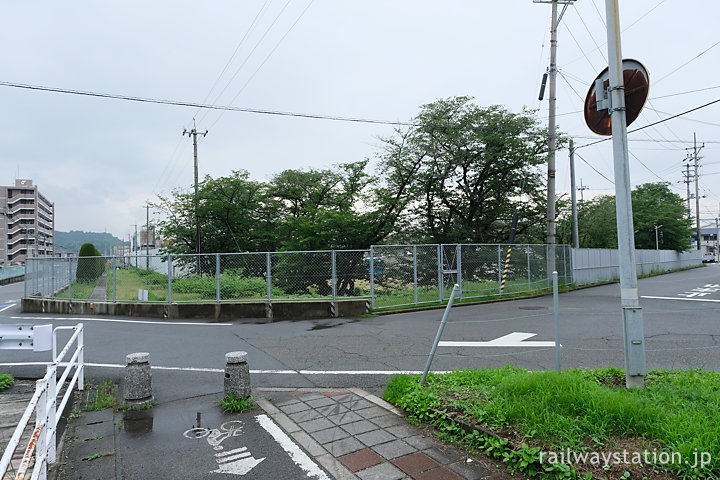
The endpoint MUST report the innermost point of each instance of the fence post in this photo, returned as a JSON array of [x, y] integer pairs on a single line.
[[441, 279], [51, 427], [114, 266], [268, 270], [217, 277], [41, 418], [170, 275], [69, 279], [333, 257], [372, 278], [499, 248], [415, 282], [556, 314], [458, 265], [527, 250], [52, 278]]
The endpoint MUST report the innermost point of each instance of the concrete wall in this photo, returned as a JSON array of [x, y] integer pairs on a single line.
[[590, 265], [218, 311]]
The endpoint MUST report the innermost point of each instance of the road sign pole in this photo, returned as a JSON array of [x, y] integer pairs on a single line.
[[632, 314]]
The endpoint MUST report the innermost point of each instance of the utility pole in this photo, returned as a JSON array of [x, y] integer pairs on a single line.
[[656, 236], [576, 238], [194, 135], [687, 182], [633, 332], [696, 160], [135, 249], [552, 132], [582, 188], [147, 237]]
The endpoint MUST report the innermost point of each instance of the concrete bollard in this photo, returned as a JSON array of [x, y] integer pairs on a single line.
[[237, 374], [138, 378]]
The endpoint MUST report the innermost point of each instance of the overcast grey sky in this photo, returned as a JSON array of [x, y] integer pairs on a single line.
[[100, 160]]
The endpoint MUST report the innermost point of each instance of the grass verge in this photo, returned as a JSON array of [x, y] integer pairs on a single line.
[[534, 421]]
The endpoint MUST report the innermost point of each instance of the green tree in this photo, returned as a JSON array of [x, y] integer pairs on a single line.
[[90, 264], [653, 204], [466, 170]]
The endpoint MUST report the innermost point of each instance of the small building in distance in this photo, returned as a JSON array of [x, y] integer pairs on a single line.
[[28, 224]]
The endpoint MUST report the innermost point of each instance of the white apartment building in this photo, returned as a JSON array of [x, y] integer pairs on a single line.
[[28, 223]]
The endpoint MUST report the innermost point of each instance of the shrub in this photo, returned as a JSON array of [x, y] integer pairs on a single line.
[[90, 264]]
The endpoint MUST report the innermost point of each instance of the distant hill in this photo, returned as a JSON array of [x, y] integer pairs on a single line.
[[73, 239]]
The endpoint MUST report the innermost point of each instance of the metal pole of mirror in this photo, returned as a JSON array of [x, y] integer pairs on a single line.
[[455, 290], [634, 341], [556, 315]]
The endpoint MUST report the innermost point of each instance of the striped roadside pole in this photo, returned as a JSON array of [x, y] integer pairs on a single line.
[[505, 270]]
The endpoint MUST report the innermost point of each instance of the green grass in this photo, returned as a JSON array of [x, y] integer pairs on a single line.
[[232, 404], [80, 291], [6, 381], [583, 410], [98, 396]]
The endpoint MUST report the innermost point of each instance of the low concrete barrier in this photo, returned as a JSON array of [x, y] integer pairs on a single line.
[[9, 280], [217, 311]]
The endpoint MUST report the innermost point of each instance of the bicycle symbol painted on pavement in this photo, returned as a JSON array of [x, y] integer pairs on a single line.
[[237, 461]]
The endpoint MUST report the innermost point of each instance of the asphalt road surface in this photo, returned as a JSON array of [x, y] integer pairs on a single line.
[[681, 319]]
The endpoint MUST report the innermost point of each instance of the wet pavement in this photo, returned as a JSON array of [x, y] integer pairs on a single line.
[[292, 434]]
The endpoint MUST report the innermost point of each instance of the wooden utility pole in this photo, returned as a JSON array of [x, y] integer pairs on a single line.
[[194, 135]]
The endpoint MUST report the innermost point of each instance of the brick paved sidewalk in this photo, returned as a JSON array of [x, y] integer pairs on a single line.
[[356, 435]]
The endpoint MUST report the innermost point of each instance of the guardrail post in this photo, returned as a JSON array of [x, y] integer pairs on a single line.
[[81, 357], [217, 278], [41, 418], [50, 430], [170, 271]]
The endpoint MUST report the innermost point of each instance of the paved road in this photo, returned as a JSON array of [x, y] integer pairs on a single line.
[[680, 313]]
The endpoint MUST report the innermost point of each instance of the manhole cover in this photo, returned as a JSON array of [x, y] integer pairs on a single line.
[[533, 307]]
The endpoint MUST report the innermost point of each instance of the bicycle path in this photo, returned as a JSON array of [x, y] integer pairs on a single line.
[[343, 434]]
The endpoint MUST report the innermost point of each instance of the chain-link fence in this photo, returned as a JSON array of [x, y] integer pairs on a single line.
[[421, 274], [389, 275]]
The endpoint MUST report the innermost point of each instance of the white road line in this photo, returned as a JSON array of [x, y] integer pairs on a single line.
[[683, 299], [255, 372], [113, 320], [7, 306], [298, 456]]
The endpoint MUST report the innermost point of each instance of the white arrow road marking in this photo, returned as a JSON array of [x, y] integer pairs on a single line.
[[298, 456], [515, 339], [236, 462]]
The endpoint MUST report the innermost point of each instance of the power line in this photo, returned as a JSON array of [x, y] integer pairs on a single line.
[[596, 170], [266, 59], [656, 123], [179, 103], [684, 64]]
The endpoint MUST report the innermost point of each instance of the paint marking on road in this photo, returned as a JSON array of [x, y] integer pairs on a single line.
[[683, 299], [254, 372], [298, 456], [515, 339], [5, 307], [114, 320]]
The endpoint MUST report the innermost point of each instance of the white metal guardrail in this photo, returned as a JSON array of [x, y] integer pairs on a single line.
[[42, 443]]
